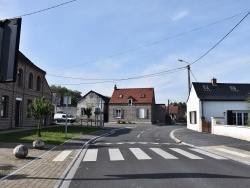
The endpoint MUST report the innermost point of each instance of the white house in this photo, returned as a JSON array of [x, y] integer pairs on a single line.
[[93, 100], [214, 99]]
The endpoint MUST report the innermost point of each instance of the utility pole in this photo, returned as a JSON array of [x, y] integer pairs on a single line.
[[189, 84], [188, 69]]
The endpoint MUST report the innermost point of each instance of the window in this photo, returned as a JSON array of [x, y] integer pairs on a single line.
[[120, 96], [38, 83], [240, 118], [142, 95], [4, 108], [233, 88], [30, 84], [28, 110], [130, 101], [142, 113], [205, 87], [82, 111], [192, 116], [118, 113], [20, 78]]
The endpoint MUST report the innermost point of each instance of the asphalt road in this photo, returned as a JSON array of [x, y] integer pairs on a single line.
[[145, 156]]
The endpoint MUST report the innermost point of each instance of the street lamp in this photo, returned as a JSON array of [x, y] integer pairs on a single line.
[[188, 69]]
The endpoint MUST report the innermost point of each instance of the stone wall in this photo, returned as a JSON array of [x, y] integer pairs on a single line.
[[129, 113]]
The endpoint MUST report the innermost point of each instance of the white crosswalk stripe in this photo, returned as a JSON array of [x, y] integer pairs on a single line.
[[163, 153], [115, 155], [91, 155], [185, 153], [208, 154], [139, 154]]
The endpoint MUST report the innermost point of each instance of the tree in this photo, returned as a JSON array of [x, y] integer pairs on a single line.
[[39, 109], [88, 112], [75, 95]]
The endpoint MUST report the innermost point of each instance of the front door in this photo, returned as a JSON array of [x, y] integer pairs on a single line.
[[17, 113]]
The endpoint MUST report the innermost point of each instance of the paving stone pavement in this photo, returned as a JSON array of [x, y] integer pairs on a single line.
[[232, 148], [37, 169]]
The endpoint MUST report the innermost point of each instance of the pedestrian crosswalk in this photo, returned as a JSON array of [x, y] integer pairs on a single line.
[[116, 154]]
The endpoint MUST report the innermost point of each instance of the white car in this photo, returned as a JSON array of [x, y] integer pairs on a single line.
[[62, 118]]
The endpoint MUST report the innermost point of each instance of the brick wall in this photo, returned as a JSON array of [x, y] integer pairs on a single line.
[[21, 95]]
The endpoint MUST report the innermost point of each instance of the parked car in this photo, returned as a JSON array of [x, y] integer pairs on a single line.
[[62, 118]]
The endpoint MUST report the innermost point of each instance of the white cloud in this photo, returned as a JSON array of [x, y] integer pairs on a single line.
[[179, 15]]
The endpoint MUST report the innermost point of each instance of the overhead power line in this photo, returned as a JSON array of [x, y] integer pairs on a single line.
[[220, 40], [130, 78], [150, 44], [42, 10]]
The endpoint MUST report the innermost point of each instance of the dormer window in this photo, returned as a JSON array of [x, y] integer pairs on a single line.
[[130, 101], [233, 88], [205, 87], [120, 96], [142, 95]]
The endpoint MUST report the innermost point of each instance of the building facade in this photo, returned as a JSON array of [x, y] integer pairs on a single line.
[[227, 100], [135, 105], [16, 97], [94, 101]]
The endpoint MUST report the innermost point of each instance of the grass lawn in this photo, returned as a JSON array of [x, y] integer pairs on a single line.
[[51, 135]]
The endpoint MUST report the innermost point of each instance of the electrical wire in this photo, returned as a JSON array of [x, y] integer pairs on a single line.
[[131, 78], [221, 39], [193, 75], [35, 12], [150, 44]]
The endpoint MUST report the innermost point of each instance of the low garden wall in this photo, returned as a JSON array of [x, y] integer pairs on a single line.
[[239, 132]]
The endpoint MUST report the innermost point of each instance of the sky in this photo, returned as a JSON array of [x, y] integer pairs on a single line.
[[88, 45]]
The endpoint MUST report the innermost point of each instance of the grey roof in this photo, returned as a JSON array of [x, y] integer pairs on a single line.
[[105, 98], [221, 91]]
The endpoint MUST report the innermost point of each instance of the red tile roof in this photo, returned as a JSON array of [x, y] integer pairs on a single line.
[[121, 96], [172, 109]]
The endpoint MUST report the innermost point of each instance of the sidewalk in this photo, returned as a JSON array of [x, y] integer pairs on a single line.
[[38, 169], [235, 149]]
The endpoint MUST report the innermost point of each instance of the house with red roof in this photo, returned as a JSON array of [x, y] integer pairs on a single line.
[[176, 113], [136, 105]]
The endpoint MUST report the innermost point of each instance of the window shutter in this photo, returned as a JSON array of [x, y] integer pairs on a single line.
[[195, 117], [146, 113], [230, 117], [137, 113], [114, 113], [190, 117], [122, 113]]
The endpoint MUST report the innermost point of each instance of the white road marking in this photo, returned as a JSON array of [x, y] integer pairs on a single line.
[[139, 154], [185, 153], [208, 154], [143, 142], [163, 153], [115, 155], [232, 152], [131, 142], [91, 155], [62, 155]]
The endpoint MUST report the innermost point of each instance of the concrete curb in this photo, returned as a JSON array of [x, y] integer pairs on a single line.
[[201, 148], [174, 138]]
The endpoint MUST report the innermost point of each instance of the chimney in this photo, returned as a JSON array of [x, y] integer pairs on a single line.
[[214, 81], [115, 88]]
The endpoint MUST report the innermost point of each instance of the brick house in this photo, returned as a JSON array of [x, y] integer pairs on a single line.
[[93, 100], [16, 96], [135, 105], [176, 113]]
